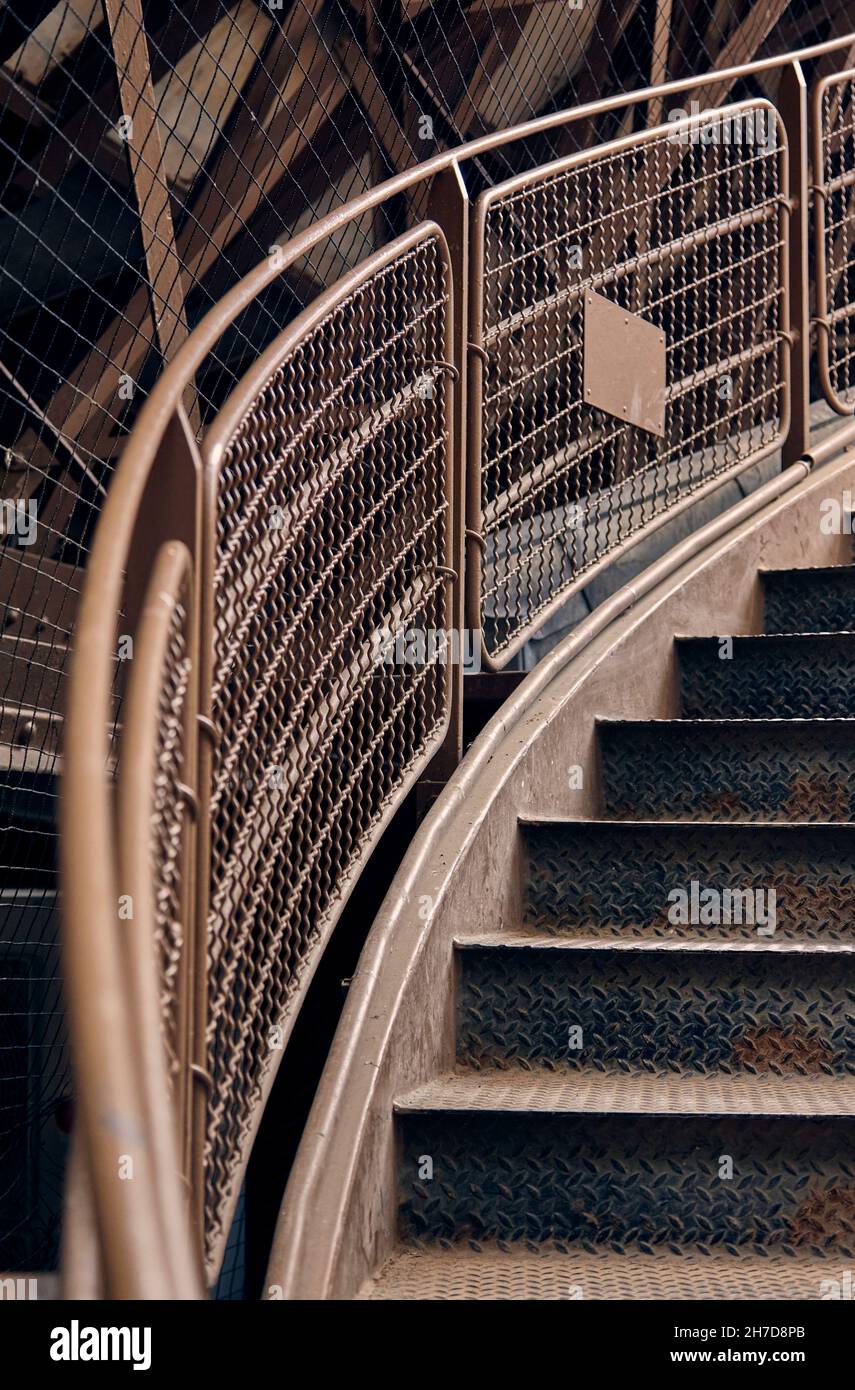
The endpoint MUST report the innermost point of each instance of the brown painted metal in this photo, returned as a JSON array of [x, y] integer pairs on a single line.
[[623, 369], [832, 238], [338, 1221], [792, 103], [171, 514], [449, 206], [550, 459]]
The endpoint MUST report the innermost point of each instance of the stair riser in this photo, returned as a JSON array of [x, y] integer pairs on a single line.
[[810, 601], [699, 1012], [790, 678], [707, 772], [617, 880], [618, 1181]]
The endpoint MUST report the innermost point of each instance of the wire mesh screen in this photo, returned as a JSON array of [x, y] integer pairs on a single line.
[[157, 805], [684, 229], [834, 115], [167, 654], [169, 829], [150, 154], [332, 550]]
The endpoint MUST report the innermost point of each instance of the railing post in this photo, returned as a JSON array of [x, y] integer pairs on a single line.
[[793, 106], [449, 208]]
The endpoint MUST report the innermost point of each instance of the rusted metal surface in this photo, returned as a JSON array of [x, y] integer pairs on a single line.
[[809, 600], [624, 1181], [713, 1013], [728, 770], [561, 482], [794, 676], [156, 830], [157, 786], [574, 887]]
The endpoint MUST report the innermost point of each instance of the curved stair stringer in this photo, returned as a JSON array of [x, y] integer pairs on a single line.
[[457, 905]]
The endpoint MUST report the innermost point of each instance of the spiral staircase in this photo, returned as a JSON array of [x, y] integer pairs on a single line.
[[712, 1106], [631, 1102]]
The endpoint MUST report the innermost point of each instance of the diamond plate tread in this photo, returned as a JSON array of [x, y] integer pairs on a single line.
[[690, 1011], [515, 1273], [789, 677], [728, 770], [623, 1180], [819, 599], [595, 1170], [589, 877], [534, 939], [563, 1092]]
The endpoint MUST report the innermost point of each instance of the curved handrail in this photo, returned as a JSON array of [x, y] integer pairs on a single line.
[[115, 1118], [166, 396], [155, 801], [161, 463]]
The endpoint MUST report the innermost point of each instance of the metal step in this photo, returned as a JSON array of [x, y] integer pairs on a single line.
[[790, 677], [809, 600], [653, 1178], [694, 1011], [706, 769], [537, 1090], [507, 1273], [593, 877]]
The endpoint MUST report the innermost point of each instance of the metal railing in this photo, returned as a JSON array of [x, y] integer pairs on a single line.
[[327, 529], [833, 150], [318, 511], [465, 429], [684, 231]]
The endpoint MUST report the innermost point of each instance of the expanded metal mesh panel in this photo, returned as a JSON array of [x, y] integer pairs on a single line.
[[331, 542], [150, 154], [835, 112], [169, 816], [683, 228]]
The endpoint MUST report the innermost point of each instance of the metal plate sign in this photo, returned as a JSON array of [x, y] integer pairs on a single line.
[[624, 364]]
